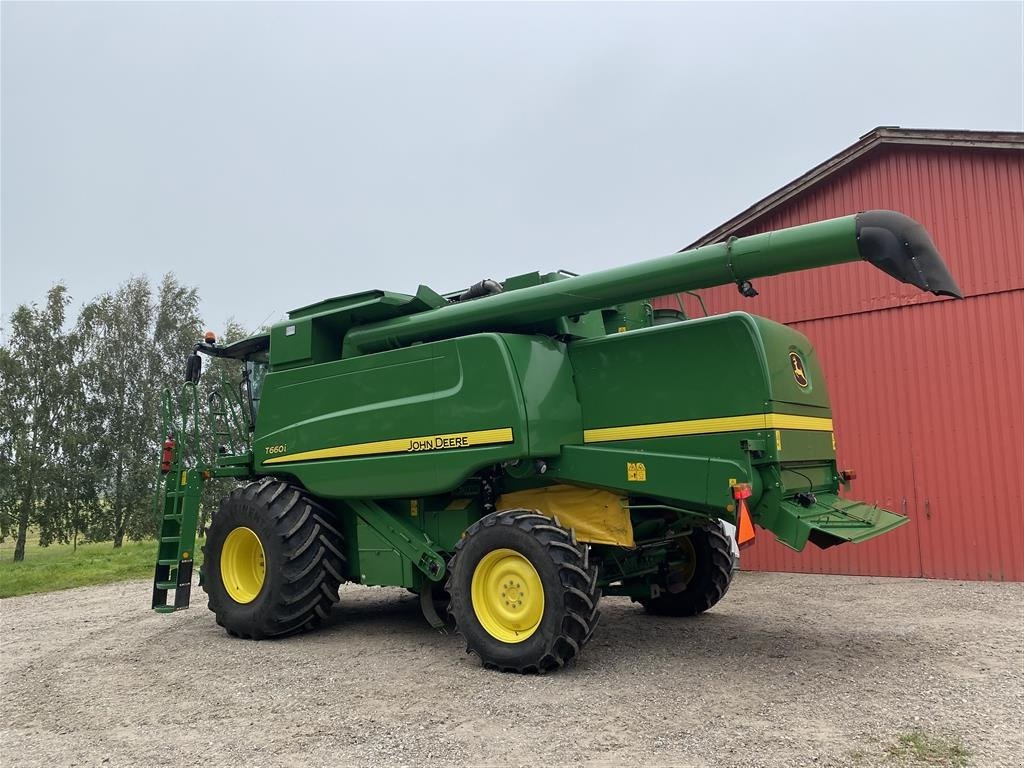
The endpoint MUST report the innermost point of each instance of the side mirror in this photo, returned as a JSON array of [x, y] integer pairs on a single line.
[[193, 368]]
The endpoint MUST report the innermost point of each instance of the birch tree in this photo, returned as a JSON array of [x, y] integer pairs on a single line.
[[40, 394], [135, 344]]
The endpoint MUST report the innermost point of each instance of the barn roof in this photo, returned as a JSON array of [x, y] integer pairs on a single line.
[[868, 143]]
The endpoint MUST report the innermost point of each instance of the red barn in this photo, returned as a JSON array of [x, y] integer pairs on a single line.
[[928, 394]]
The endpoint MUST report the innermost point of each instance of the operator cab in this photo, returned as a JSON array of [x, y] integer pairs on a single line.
[[252, 352]]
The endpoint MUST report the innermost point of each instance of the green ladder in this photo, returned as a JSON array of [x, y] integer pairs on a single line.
[[176, 553], [177, 500], [227, 416]]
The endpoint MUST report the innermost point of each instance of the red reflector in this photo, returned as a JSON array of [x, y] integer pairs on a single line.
[[741, 491]]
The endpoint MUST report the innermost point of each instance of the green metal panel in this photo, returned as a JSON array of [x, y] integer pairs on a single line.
[[831, 520], [379, 562], [691, 370], [292, 343], [553, 415], [672, 413], [445, 518], [777, 342], [401, 534], [628, 317], [394, 420], [313, 334], [695, 482]]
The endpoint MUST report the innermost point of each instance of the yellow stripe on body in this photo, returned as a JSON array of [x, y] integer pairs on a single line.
[[789, 421], [708, 426], [424, 444]]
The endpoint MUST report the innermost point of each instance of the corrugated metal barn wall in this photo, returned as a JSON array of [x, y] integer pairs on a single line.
[[928, 393]]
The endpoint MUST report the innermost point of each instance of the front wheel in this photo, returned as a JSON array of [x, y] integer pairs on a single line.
[[523, 592], [273, 561]]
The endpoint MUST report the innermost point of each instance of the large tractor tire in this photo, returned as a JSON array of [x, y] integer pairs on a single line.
[[273, 561], [523, 592], [701, 576]]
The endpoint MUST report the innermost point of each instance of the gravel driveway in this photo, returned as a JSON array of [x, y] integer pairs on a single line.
[[788, 670]]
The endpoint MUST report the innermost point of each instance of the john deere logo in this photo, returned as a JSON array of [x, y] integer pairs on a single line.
[[798, 369]]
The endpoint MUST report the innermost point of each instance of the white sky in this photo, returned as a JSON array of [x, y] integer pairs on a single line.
[[278, 154]]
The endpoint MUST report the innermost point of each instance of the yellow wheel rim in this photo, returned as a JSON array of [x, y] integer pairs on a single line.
[[689, 566], [243, 566], [508, 597]]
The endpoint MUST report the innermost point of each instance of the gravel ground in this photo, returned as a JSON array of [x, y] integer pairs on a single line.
[[788, 670]]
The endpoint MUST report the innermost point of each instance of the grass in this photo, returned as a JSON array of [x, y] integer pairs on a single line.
[[58, 566], [917, 748]]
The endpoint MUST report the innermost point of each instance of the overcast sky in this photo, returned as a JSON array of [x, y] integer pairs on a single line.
[[278, 154]]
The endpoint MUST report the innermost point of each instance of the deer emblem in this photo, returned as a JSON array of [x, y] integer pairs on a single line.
[[798, 369]]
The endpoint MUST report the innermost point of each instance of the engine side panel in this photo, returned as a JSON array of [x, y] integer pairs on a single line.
[[408, 422]]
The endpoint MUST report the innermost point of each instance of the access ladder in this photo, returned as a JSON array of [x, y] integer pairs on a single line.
[[177, 499]]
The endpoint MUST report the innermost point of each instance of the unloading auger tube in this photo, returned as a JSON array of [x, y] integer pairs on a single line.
[[891, 241], [514, 451]]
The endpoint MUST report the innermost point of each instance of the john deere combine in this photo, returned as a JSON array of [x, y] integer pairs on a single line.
[[521, 448]]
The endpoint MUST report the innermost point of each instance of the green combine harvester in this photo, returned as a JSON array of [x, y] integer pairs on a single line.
[[513, 452]]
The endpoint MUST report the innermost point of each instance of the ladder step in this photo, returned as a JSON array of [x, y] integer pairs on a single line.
[[164, 609], [164, 539], [173, 561], [166, 585]]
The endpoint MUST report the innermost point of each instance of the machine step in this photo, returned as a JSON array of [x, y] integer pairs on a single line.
[[178, 497]]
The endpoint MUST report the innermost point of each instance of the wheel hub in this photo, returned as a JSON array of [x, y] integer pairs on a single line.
[[508, 596], [243, 565]]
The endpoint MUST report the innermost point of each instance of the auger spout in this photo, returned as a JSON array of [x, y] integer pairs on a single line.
[[890, 241]]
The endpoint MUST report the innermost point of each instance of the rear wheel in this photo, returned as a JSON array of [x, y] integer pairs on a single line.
[[698, 577], [523, 592], [273, 561]]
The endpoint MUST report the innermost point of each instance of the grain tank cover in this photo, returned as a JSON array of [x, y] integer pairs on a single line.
[[312, 334], [373, 305]]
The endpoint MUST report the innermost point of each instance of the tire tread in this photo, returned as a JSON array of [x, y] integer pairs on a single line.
[[709, 583], [578, 577], [308, 576]]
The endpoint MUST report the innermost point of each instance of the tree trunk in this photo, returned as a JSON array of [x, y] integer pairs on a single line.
[[24, 514], [120, 518], [28, 497], [19, 543]]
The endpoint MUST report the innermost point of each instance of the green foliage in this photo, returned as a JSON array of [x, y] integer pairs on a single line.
[[918, 748], [133, 347], [80, 423], [41, 439], [62, 566]]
